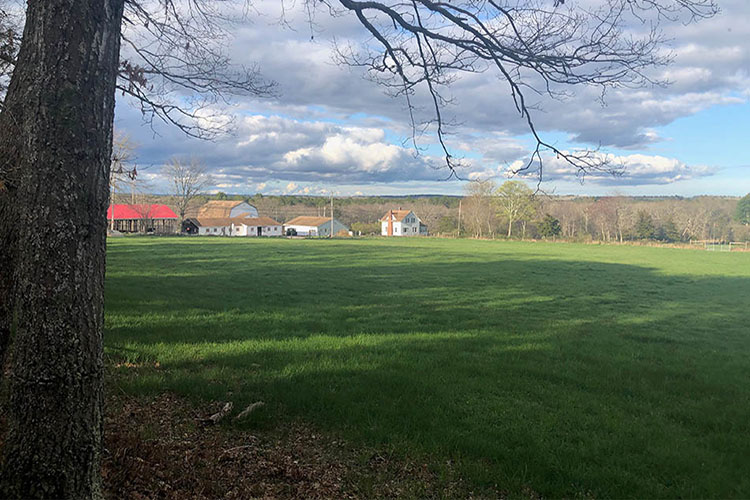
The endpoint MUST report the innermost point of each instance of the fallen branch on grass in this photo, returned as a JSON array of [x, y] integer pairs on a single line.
[[247, 411], [218, 416]]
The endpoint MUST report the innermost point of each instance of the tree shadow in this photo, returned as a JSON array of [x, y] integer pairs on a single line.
[[570, 377]]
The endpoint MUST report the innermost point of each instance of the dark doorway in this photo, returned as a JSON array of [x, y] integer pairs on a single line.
[[260, 231]]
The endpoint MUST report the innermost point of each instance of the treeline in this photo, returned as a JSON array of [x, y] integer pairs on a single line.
[[512, 210]]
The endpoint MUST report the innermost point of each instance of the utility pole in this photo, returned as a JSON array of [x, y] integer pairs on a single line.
[[458, 235], [331, 214]]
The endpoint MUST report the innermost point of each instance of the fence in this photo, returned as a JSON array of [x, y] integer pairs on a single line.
[[721, 246]]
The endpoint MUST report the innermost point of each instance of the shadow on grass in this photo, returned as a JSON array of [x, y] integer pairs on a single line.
[[566, 376]]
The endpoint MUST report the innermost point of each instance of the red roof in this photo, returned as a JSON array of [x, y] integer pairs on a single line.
[[141, 212]]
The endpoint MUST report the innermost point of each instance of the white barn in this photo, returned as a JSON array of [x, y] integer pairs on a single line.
[[211, 226], [315, 226], [402, 223], [238, 226]]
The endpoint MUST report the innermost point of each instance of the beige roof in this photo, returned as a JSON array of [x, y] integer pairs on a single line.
[[256, 221], [218, 209], [304, 220], [213, 221], [398, 215]]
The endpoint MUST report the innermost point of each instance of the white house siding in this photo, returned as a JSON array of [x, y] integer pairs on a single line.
[[322, 230], [271, 231], [239, 230], [303, 230], [250, 231], [215, 230], [325, 228], [408, 226]]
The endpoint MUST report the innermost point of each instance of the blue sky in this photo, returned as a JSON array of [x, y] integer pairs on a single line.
[[330, 129]]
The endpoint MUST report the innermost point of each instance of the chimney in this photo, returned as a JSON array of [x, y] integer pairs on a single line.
[[390, 223]]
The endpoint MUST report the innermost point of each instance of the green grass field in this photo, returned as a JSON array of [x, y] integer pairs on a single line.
[[561, 369]]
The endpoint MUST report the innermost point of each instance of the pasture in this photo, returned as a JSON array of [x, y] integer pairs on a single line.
[[550, 369]]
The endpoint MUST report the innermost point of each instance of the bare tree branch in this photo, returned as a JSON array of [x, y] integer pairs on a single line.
[[542, 46], [173, 63]]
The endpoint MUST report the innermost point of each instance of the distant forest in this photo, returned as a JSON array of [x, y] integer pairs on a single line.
[[482, 214]]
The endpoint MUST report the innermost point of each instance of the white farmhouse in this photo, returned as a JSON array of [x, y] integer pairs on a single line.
[[314, 226], [223, 209], [402, 223]]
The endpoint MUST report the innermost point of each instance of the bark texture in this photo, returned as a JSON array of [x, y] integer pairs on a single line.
[[55, 139], [7, 250]]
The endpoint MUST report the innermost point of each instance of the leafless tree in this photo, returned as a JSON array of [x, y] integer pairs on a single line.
[[122, 170], [477, 208], [188, 180]]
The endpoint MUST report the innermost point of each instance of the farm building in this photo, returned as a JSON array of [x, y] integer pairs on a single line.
[[217, 209], [402, 223], [236, 226], [142, 218], [314, 226], [214, 226], [256, 226]]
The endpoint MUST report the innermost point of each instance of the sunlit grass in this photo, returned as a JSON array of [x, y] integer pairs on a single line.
[[564, 369]]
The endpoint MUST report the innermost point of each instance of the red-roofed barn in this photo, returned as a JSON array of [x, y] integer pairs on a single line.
[[142, 218]]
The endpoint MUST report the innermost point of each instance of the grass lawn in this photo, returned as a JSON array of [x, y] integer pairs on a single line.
[[560, 369]]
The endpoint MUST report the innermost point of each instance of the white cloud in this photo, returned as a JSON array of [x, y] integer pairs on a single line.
[[330, 126], [637, 169]]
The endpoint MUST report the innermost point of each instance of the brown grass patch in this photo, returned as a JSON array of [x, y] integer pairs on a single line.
[[159, 448]]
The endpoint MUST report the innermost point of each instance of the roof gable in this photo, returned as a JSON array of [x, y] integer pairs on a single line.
[[218, 209], [398, 215]]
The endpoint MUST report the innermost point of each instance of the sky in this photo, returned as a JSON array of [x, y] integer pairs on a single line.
[[332, 130]]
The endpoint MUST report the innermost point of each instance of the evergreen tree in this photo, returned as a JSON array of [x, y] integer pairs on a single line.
[[549, 227], [644, 227], [667, 231], [743, 210]]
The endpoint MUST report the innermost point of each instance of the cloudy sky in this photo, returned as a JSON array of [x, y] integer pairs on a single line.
[[330, 129]]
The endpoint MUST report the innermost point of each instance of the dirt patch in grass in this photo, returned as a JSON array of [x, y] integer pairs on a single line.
[[160, 448]]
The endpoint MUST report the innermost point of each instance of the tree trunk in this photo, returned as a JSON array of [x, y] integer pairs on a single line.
[[7, 255], [510, 226], [57, 127]]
